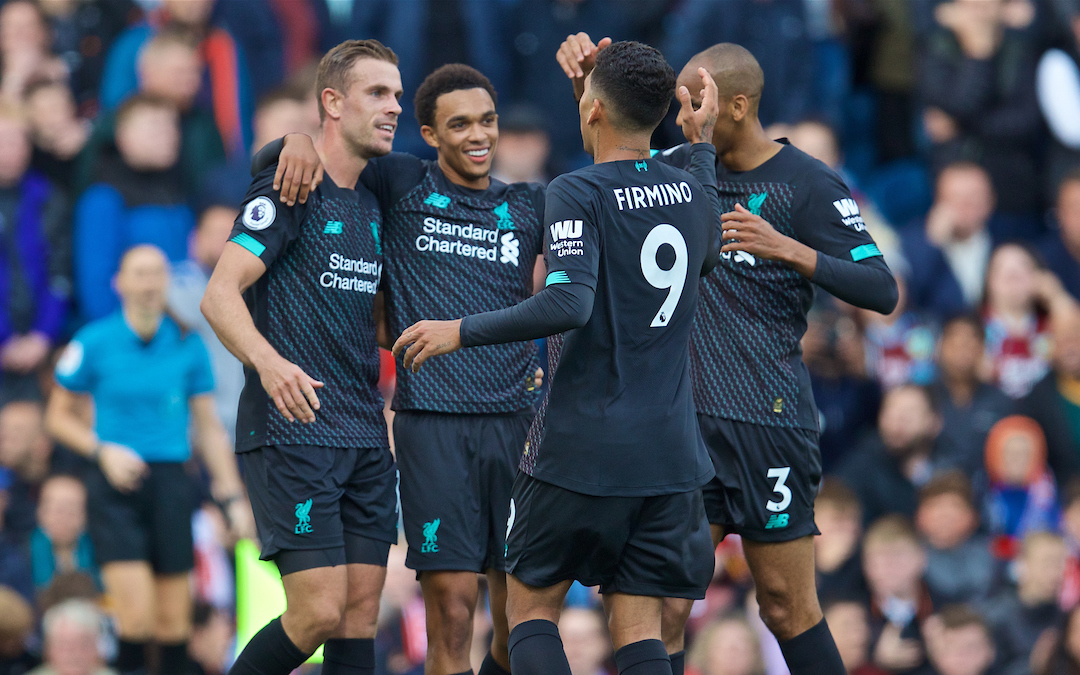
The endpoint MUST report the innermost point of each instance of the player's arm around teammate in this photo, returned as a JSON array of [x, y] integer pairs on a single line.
[[145, 377]]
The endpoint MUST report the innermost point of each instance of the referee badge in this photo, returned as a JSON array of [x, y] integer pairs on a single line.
[[259, 213]]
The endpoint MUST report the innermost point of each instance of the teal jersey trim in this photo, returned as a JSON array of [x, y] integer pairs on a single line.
[[865, 251], [557, 277], [250, 243]]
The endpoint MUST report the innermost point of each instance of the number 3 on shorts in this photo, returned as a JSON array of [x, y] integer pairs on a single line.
[[780, 474]]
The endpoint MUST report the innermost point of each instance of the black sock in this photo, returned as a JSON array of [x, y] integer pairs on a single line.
[[646, 657], [270, 652], [130, 656], [491, 667], [678, 662], [813, 652], [349, 656], [172, 659], [536, 649]]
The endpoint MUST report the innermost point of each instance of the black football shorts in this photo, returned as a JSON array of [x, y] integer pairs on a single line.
[[766, 479]]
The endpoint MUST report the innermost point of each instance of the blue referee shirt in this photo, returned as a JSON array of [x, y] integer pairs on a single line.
[[140, 389]]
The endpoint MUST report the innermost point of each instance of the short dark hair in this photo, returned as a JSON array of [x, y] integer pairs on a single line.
[[952, 482], [443, 80], [636, 83], [969, 319], [141, 102], [334, 68], [956, 616]]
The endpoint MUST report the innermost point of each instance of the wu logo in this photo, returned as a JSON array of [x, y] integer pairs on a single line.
[[437, 200], [431, 537], [777, 521], [641, 166], [755, 202], [502, 212], [509, 250], [333, 227], [303, 524], [566, 229], [846, 207]]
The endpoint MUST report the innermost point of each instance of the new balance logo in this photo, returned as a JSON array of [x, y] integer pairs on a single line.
[[333, 227], [437, 200], [777, 521], [508, 249], [566, 229], [849, 213]]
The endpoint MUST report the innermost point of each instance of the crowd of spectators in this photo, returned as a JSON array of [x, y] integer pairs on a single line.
[[950, 508]]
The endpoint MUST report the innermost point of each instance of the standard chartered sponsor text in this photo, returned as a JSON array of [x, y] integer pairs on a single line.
[[339, 263], [433, 227]]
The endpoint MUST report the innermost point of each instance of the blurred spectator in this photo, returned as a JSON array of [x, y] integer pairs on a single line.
[[534, 34], [278, 37], [1061, 248], [1021, 615], [61, 544], [894, 562], [978, 83], [211, 641], [968, 406], [585, 639], [775, 32], [948, 256], [58, 134], [1064, 650], [524, 147], [136, 201], [25, 43], [886, 471], [1055, 401], [34, 271], [169, 69], [959, 564], [1058, 87], [225, 90], [959, 642], [28, 452], [73, 632], [69, 586], [836, 551], [850, 626], [726, 646], [900, 346], [16, 626], [188, 283], [1020, 298], [846, 398], [1022, 497], [82, 34]]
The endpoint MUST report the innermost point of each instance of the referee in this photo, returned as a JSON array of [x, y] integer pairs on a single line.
[[145, 378]]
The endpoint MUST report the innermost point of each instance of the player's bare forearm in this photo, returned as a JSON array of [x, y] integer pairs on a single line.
[[225, 310], [799, 257]]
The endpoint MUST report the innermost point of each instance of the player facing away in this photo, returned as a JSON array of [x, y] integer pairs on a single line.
[[455, 242], [790, 224], [610, 495], [293, 298]]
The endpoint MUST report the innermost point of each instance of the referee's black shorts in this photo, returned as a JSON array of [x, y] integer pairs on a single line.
[[152, 523]]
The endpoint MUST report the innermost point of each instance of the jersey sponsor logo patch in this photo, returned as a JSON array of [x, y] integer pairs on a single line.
[[333, 227], [71, 360], [431, 537], [259, 213], [502, 212], [303, 518], [509, 249], [566, 229], [849, 214], [437, 200]]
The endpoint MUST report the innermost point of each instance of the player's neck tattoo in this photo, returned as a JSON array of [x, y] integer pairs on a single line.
[[641, 153]]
